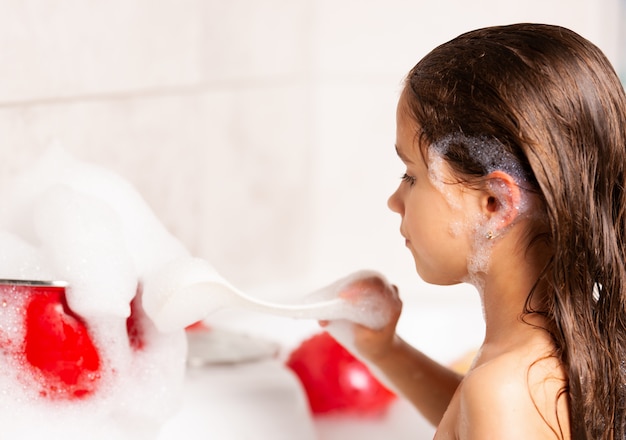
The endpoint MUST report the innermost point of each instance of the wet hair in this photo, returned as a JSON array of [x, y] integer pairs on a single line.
[[550, 99]]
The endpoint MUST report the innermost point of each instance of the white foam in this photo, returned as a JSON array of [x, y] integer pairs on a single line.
[[488, 152], [85, 244], [21, 260], [63, 219], [364, 304]]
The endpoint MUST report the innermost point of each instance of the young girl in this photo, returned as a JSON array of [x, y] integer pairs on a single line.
[[514, 142]]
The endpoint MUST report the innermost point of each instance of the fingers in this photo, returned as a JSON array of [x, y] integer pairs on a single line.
[[369, 299]]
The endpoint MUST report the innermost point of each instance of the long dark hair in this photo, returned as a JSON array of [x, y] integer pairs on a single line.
[[554, 102]]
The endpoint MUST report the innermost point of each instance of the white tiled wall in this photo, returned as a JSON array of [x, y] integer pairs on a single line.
[[261, 132]]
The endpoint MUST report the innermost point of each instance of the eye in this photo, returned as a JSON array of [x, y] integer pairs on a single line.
[[408, 179]]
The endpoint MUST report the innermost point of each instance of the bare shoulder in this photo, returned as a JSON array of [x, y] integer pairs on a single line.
[[513, 396]]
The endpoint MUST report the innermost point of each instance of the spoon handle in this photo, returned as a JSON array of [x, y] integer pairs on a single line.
[[318, 310]]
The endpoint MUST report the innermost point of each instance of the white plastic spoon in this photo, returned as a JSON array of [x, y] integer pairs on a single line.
[[188, 290]]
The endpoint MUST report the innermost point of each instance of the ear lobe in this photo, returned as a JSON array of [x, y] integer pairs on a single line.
[[502, 200]]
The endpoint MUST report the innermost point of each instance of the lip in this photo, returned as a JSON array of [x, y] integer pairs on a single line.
[[403, 236]]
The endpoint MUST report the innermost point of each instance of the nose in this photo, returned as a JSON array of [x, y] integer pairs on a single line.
[[395, 202]]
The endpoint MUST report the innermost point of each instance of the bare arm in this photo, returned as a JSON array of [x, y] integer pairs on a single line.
[[428, 385]]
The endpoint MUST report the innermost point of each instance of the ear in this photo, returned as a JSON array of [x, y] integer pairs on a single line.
[[500, 202]]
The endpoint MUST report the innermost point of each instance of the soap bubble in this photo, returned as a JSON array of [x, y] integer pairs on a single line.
[[364, 301], [62, 219]]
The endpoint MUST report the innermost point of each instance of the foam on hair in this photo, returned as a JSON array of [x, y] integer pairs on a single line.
[[487, 151], [492, 156]]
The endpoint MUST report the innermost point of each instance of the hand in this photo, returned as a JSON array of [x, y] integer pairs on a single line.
[[373, 343]]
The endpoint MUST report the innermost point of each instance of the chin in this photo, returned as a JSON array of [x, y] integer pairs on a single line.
[[436, 279]]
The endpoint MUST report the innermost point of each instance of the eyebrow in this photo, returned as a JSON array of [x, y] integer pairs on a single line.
[[402, 156]]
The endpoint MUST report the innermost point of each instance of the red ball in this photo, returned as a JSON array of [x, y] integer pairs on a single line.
[[335, 381]]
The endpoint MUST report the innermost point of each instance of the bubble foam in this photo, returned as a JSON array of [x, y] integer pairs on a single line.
[[63, 219], [364, 303], [487, 151]]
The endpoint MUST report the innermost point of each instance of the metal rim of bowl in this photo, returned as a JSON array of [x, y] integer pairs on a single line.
[[33, 283]]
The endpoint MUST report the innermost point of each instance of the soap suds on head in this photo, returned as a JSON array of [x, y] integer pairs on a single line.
[[492, 156], [487, 151], [437, 168]]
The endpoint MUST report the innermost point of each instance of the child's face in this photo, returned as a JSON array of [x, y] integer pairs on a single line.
[[436, 216]]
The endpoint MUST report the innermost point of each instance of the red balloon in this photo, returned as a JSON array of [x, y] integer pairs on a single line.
[[335, 381]]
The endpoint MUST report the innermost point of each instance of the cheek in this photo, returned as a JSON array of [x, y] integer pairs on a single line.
[[457, 229], [441, 242], [427, 229], [427, 213]]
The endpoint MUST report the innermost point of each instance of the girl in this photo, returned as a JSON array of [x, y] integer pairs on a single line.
[[514, 142]]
